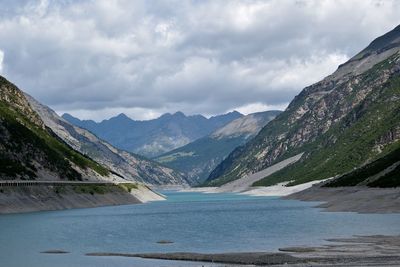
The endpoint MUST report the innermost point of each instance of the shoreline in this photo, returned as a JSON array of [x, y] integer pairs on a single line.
[[15, 200], [359, 199], [374, 250], [278, 190], [340, 199], [22, 199]]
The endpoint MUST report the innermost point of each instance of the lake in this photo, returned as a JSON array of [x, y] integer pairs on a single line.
[[195, 222]]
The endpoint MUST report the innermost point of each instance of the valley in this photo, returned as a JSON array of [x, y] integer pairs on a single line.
[[253, 133], [344, 129], [197, 159]]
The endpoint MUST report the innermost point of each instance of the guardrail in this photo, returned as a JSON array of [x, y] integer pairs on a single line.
[[9, 183]]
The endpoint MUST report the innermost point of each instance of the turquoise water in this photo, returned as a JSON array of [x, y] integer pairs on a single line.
[[193, 221]]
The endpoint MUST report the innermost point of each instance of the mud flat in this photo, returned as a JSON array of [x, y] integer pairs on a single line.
[[355, 251]]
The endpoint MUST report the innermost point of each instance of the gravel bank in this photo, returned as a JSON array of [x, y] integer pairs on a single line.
[[245, 183], [353, 199]]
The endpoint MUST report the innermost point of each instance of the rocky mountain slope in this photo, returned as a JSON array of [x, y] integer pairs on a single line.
[[346, 120], [124, 164], [30, 150], [197, 159], [153, 137]]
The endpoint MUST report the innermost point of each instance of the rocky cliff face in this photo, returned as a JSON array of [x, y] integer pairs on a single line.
[[350, 117], [245, 127], [14, 99], [124, 164], [29, 150], [197, 159], [154, 137]]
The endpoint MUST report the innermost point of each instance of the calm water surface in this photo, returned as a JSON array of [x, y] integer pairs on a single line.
[[193, 221]]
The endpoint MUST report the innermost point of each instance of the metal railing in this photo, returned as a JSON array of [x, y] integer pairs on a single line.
[[9, 183]]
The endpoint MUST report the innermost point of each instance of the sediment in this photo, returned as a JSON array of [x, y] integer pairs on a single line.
[[41, 198], [355, 251]]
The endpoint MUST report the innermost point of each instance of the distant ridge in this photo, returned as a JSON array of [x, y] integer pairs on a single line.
[[153, 137]]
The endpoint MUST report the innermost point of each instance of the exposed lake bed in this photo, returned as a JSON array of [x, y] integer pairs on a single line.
[[355, 251], [190, 222]]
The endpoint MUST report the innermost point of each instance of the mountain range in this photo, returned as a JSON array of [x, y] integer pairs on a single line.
[[344, 125], [345, 121], [197, 159], [153, 137]]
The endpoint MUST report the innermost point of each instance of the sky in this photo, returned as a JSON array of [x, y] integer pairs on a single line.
[[96, 59]]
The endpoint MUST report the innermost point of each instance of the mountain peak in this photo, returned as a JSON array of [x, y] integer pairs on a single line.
[[165, 115], [388, 40], [235, 112], [248, 125], [179, 114], [379, 49], [119, 118], [379, 45], [122, 116], [68, 116]]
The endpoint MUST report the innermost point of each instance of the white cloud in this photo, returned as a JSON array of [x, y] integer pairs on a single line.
[[95, 59], [258, 107]]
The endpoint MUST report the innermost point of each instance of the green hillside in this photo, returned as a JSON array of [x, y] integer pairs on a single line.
[[353, 140], [28, 148], [383, 172], [350, 118]]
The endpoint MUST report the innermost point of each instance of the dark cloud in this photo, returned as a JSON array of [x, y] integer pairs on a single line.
[[99, 58]]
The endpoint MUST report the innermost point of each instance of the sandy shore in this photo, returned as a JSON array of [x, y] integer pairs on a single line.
[[356, 251], [145, 194], [199, 189], [342, 199], [244, 184], [353, 199], [276, 190]]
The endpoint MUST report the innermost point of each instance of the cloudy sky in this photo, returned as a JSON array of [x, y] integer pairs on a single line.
[[96, 59]]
